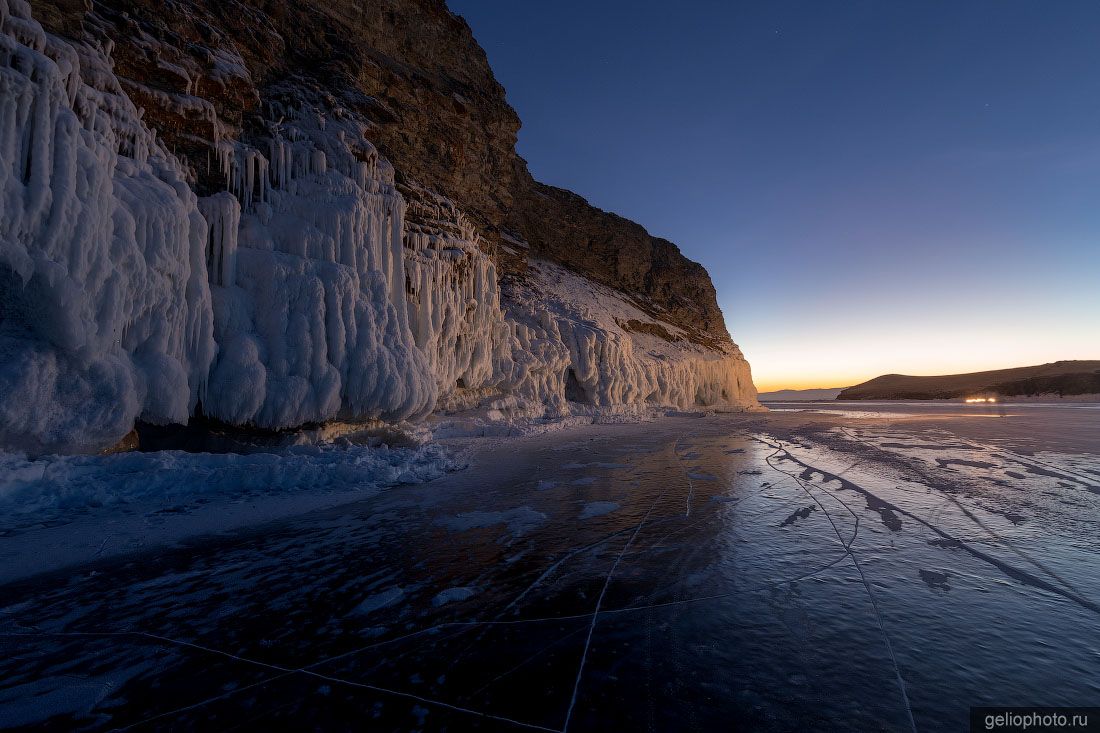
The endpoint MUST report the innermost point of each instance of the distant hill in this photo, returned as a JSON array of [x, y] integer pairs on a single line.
[[800, 395], [1061, 378]]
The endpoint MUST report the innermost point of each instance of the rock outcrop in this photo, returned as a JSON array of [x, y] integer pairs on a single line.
[[275, 213]]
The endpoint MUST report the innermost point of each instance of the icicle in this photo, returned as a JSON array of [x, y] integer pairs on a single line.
[[222, 213], [119, 322]]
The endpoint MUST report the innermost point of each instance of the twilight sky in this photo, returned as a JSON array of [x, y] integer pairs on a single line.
[[906, 186]]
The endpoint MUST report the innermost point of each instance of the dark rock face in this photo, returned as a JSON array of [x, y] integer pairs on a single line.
[[210, 70], [619, 253]]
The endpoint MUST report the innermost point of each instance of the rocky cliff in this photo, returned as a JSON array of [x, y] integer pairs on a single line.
[[274, 213]]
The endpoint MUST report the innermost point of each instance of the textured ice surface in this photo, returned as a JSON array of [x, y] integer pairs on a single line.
[[52, 487], [57, 510], [62, 695], [105, 313], [55, 485], [973, 584]]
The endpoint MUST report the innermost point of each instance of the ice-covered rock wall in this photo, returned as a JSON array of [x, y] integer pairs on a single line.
[[453, 298], [105, 313], [302, 287], [587, 344], [307, 270]]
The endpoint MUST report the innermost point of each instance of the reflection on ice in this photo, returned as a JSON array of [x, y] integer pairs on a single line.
[[777, 572]]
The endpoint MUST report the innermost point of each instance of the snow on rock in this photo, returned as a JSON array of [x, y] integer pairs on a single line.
[[582, 343], [105, 314]]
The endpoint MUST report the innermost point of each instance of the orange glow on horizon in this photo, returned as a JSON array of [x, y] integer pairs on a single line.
[[813, 355], [762, 386], [846, 343], [782, 376]]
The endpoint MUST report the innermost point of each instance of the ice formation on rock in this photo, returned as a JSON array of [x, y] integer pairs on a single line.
[[105, 312], [334, 296], [585, 343], [309, 287], [453, 297], [305, 288]]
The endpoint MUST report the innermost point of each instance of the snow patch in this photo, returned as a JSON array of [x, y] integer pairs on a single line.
[[453, 594], [378, 601], [74, 695], [598, 509], [519, 521]]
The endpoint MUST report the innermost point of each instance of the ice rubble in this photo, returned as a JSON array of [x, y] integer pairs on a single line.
[[54, 487], [329, 294], [105, 313], [61, 510]]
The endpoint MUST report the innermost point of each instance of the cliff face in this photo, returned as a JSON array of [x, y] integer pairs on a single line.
[[415, 73], [350, 225]]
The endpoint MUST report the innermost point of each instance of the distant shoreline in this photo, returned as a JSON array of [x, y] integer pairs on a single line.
[[1038, 399], [800, 395], [1060, 380]]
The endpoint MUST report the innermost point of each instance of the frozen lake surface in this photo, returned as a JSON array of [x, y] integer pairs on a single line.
[[856, 566]]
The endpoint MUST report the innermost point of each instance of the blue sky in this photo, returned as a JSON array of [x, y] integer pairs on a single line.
[[874, 186]]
